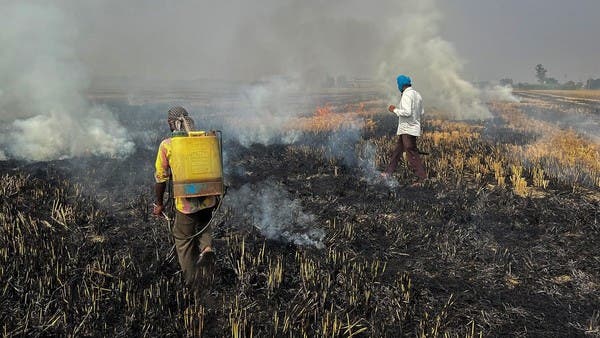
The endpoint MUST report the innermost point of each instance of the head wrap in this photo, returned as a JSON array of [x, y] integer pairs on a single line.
[[179, 119], [402, 81]]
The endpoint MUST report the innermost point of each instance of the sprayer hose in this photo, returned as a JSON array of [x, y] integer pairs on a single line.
[[212, 218]]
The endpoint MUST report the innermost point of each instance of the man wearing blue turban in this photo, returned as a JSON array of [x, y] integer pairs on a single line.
[[409, 114]]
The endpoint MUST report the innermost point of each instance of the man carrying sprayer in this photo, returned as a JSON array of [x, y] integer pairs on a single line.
[[409, 114], [194, 249]]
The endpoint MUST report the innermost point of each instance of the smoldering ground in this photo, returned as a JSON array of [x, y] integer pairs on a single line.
[[261, 110], [269, 208], [42, 106], [460, 255], [455, 257]]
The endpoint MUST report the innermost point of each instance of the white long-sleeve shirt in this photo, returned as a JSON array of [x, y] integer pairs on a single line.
[[409, 113]]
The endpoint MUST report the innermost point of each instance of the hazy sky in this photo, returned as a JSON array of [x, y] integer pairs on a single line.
[[251, 39], [50, 50], [509, 37]]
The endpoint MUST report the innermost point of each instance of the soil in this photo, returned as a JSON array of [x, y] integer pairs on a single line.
[[462, 256]]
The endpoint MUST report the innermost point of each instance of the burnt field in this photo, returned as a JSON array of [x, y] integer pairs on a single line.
[[501, 241]]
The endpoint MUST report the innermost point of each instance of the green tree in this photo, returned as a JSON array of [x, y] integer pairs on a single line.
[[551, 81], [540, 73], [570, 85]]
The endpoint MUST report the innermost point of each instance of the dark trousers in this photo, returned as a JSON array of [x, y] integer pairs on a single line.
[[407, 143], [189, 246]]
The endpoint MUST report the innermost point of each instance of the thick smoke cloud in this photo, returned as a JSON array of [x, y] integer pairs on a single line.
[[44, 114], [278, 49], [157, 44], [416, 48]]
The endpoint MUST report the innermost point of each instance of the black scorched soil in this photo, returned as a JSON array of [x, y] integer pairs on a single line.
[[460, 256]]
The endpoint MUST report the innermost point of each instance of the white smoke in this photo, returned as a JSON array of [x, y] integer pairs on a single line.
[[367, 153], [341, 143], [277, 216], [265, 112], [41, 90], [417, 50], [498, 93]]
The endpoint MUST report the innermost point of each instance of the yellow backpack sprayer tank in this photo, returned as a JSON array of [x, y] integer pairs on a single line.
[[197, 164]]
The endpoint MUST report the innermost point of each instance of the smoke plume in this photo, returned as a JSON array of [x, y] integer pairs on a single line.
[[367, 154], [498, 93], [417, 49], [264, 112], [293, 44], [43, 110], [269, 208]]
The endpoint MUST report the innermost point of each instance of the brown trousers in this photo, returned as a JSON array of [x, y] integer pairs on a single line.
[[189, 246], [407, 143]]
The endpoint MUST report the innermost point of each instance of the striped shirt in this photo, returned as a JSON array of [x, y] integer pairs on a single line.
[[163, 174]]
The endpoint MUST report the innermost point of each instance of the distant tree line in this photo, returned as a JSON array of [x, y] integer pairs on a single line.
[[592, 84], [545, 82]]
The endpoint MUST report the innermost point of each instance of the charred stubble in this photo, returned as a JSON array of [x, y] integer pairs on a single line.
[[473, 251]]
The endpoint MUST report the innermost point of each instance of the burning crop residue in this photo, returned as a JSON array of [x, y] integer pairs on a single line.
[[325, 119], [310, 240], [501, 240]]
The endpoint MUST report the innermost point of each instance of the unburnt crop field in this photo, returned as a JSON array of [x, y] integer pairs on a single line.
[[502, 240]]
